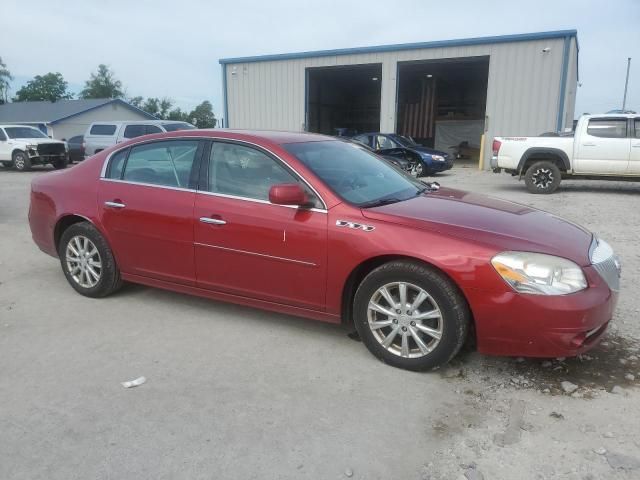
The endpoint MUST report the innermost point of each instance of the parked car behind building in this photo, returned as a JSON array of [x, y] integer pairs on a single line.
[[102, 135]]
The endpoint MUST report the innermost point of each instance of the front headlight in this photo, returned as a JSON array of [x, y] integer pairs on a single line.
[[32, 146], [539, 274], [437, 158]]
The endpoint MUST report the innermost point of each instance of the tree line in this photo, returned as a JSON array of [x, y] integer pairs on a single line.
[[102, 84]]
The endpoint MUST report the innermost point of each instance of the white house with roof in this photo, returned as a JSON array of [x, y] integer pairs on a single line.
[[64, 119]]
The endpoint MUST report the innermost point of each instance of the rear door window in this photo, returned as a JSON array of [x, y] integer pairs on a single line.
[[103, 130], [153, 129], [3, 137], [607, 127], [133, 131], [166, 163], [637, 128], [116, 163]]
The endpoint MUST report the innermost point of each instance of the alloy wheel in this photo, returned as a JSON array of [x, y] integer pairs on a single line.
[[83, 261], [19, 162], [405, 319], [542, 178]]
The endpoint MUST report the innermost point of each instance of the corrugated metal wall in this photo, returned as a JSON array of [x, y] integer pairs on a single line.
[[523, 93]]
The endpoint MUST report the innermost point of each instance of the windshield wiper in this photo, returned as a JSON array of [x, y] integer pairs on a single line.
[[380, 202]]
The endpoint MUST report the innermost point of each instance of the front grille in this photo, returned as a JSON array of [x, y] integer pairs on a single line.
[[605, 263], [50, 148]]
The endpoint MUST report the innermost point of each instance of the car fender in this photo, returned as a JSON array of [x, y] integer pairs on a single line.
[[556, 152]]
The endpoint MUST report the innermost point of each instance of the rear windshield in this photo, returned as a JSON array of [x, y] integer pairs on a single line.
[[103, 130], [172, 127], [24, 132]]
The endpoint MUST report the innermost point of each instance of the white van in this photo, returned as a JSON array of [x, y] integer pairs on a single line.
[[102, 135]]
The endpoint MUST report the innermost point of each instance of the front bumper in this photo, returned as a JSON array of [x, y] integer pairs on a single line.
[[514, 324], [440, 166]]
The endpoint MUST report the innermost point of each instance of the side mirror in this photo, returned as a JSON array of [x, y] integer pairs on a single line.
[[288, 194]]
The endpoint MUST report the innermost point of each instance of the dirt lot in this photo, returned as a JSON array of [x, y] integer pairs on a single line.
[[235, 393]]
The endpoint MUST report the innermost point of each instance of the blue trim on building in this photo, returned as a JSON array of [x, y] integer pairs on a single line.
[[563, 81], [225, 104], [115, 100], [461, 42]]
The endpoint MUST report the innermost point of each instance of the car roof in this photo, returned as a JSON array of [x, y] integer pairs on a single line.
[[134, 122], [9, 125], [613, 115], [275, 137]]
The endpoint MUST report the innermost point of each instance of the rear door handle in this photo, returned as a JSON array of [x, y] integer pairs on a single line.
[[213, 221], [115, 204]]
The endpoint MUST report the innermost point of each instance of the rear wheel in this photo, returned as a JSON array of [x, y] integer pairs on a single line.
[[543, 177], [87, 261], [410, 315], [21, 161]]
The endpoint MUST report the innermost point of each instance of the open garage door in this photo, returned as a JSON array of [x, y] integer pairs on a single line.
[[442, 104], [344, 100]]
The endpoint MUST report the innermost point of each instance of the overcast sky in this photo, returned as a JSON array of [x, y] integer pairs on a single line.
[[171, 48]]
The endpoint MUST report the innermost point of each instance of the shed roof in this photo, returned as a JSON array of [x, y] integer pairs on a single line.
[[460, 42], [52, 112]]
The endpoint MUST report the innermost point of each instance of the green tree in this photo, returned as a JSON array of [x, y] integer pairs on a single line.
[[102, 84], [202, 116], [5, 79], [51, 87], [136, 101], [178, 115], [157, 107]]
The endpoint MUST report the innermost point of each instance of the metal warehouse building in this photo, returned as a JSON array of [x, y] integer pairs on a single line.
[[442, 93]]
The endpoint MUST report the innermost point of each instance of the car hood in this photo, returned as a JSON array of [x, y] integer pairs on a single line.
[[500, 223], [35, 141], [427, 150]]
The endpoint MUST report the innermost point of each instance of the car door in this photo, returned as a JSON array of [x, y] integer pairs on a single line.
[[246, 246], [146, 201], [5, 149], [634, 157], [603, 148]]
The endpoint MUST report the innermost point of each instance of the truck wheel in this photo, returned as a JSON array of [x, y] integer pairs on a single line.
[[60, 164], [21, 161], [542, 177]]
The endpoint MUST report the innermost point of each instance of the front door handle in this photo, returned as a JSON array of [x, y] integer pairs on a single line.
[[115, 204], [588, 144], [213, 221]]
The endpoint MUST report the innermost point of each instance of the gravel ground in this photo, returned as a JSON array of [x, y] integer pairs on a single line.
[[234, 393]]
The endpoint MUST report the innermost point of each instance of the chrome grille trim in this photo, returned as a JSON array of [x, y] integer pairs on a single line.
[[605, 263]]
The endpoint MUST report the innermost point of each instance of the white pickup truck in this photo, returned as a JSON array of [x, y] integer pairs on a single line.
[[603, 147]]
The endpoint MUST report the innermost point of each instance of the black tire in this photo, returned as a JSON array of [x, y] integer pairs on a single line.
[[455, 314], [543, 177], [109, 280], [60, 164], [7, 164], [21, 161]]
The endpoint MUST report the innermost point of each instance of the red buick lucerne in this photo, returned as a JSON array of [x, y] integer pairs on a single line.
[[317, 227]]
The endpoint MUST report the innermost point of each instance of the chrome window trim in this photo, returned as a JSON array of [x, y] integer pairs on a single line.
[[258, 200], [291, 260], [130, 182], [103, 171]]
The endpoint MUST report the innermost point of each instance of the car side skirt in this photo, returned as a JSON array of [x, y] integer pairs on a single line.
[[230, 298]]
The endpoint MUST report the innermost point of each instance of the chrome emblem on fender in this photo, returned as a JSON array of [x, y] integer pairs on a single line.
[[356, 226]]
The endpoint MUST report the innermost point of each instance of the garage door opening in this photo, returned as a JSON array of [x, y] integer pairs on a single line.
[[442, 104], [344, 100]]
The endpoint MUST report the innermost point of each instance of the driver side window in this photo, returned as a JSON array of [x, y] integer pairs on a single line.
[[246, 172], [383, 142], [3, 137]]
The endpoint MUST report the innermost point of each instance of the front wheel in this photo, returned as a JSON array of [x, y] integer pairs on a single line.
[[21, 161], [87, 261], [543, 177], [418, 170], [411, 316]]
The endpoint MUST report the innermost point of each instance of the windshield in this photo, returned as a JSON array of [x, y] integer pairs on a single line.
[[24, 132], [356, 175], [172, 127], [404, 140]]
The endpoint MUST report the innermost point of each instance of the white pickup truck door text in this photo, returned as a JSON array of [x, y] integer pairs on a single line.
[[634, 158], [603, 147]]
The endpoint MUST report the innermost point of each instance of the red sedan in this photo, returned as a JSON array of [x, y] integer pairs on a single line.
[[317, 227]]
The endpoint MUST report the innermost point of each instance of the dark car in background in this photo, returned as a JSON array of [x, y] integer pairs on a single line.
[[76, 148], [427, 161], [398, 161]]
